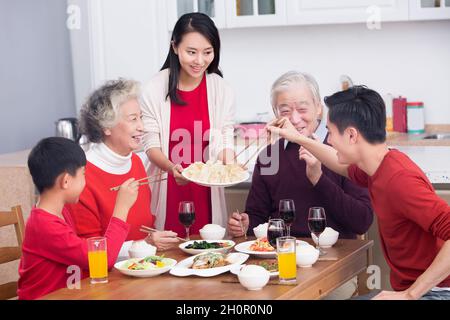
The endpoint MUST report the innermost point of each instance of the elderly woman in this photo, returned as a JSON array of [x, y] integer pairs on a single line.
[[111, 120]]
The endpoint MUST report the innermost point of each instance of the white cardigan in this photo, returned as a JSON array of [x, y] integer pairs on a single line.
[[156, 117]]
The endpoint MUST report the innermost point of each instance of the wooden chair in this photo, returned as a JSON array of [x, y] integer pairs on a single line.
[[8, 254], [363, 276]]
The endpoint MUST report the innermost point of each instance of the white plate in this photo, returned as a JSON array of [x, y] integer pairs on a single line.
[[244, 247], [228, 184], [236, 269], [183, 246], [170, 263], [183, 268]]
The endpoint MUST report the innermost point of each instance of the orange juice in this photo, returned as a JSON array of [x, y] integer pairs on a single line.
[[98, 264], [287, 266]]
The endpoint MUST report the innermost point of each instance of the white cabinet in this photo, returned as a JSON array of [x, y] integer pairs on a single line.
[[429, 9], [345, 11], [213, 8], [255, 13]]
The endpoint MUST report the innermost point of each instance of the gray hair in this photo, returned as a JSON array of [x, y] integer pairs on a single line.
[[102, 107], [290, 78]]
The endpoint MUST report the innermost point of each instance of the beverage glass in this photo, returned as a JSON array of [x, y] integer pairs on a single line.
[[287, 264], [186, 215], [317, 221], [98, 260], [287, 213], [275, 229]]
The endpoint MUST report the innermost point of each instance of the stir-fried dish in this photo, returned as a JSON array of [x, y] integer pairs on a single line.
[[152, 262], [210, 260], [261, 245], [207, 245]]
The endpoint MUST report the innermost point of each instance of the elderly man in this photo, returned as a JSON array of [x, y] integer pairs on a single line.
[[300, 176]]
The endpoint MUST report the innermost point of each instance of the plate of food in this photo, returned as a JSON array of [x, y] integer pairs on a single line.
[[260, 248], [269, 265], [208, 264], [202, 246], [147, 267], [215, 174]]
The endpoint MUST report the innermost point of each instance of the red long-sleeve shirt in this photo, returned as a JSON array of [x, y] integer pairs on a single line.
[[413, 221], [51, 245]]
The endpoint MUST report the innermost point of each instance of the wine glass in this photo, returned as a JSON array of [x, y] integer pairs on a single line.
[[275, 229], [317, 221], [186, 215], [287, 213]]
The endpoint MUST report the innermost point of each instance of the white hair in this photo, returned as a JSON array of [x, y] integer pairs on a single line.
[[287, 80]]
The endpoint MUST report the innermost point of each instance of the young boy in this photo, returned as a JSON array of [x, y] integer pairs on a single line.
[[414, 223], [51, 244]]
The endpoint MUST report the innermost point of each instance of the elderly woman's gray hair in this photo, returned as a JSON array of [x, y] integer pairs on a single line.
[[287, 80], [102, 107]]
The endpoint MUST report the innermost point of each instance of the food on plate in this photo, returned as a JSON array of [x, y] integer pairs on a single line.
[[152, 262], [262, 245], [207, 245], [210, 260], [214, 172], [271, 266]]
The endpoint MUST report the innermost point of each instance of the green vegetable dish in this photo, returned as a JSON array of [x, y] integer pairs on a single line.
[[201, 245]]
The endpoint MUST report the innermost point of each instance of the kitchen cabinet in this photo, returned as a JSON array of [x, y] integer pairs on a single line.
[[429, 9], [345, 11], [213, 8], [255, 13]]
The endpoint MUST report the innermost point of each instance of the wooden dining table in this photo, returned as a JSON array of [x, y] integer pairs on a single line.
[[345, 260]]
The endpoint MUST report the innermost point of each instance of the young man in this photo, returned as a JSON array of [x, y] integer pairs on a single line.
[[51, 244], [414, 223]]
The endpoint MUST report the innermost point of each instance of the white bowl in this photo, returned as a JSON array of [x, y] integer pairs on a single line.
[[306, 255], [212, 233], [261, 231], [253, 277], [327, 238], [141, 249]]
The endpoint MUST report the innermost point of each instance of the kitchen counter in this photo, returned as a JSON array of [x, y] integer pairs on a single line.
[[404, 139]]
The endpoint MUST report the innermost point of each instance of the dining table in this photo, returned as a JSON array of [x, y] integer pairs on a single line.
[[345, 260]]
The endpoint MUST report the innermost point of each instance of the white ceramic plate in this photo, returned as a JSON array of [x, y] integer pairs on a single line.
[[205, 184], [183, 268], [170, 263], [183, 246], [236, 269], [244, 247]]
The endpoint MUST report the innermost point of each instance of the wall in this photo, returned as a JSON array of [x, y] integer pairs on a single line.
[[36, 83], [408, 58]]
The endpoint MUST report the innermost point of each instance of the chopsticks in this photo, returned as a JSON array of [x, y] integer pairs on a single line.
[[143, 179], [146, 229], [254, 154], [242, 225]]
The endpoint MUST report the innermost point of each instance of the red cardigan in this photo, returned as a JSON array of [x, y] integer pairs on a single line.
[[51, 245], [96, 205]]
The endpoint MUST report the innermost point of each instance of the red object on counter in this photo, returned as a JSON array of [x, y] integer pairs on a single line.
[[399, 114]]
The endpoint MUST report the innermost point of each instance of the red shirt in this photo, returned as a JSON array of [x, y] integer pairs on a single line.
[[413, 221], [51, 245], [96, 205], [189, 127]]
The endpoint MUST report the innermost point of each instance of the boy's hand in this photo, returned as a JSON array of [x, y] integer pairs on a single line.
[[126, 197]]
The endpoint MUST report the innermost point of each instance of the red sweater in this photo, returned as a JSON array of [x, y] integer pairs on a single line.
[[51, 245], [94, 210], [413, 221]]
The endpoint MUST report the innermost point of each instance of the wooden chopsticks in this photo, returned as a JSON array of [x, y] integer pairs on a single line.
[[146, 229], [254, 154], [143, 179]]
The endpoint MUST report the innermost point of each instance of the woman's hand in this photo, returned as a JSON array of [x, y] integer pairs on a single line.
[[238, 224], [163, 240], [313, 166], [176, 171]]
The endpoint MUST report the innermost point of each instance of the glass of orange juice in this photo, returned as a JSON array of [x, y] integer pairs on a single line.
[[98, 260], [287, 265]]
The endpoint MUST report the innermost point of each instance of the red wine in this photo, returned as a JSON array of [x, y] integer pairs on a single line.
[[273, 234], [317, 226], [288, 216], [186, 218]]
